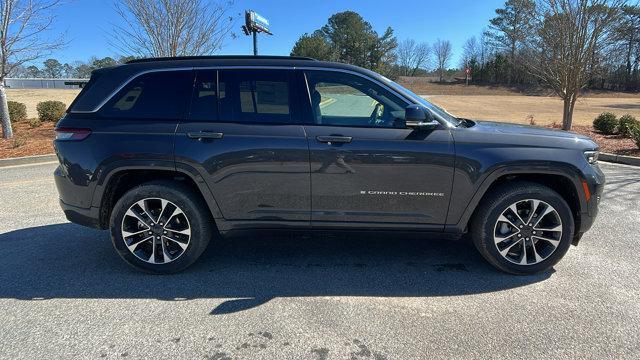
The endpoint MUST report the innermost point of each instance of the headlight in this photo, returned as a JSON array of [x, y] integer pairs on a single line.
[[592, 156]]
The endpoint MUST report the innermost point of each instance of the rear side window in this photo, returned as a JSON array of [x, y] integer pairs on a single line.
[[157, 95], [204, 103], [255, 96]]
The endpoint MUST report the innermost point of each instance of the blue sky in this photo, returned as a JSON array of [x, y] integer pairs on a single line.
[[87, 22]]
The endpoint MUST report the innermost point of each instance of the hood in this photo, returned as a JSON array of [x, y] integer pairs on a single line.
[[508, 128], [533, 136]]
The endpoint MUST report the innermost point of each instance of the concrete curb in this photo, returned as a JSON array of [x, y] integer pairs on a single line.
[[28, 160], [620, 159]]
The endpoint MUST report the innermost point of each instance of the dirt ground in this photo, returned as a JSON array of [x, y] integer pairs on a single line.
[[28, 141]]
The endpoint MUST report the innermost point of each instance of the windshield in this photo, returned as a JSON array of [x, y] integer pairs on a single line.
[[438, 111]]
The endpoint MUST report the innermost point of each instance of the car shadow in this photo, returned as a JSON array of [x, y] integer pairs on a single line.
[[70, 261]]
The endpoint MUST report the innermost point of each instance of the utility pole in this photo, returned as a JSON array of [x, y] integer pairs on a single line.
[[254, 24], [255, 43]]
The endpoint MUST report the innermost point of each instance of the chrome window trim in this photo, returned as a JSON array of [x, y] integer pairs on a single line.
[[244, 67]]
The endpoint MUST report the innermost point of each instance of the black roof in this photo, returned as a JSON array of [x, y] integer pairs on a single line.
[[221, 57]]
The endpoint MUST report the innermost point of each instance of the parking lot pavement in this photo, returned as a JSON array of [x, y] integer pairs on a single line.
[[64, 293]]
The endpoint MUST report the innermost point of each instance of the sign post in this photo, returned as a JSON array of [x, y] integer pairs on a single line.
[[254, 24]]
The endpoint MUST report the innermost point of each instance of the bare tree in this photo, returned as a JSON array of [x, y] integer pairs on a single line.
[[511, 26], [171, 27], [442, 51], [412, 56], [470, 52], [569, 36], [23, 27]]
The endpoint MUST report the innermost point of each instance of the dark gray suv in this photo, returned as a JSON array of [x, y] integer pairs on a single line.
[[170, 153]]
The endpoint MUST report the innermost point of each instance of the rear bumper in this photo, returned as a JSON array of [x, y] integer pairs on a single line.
[[86, 217]]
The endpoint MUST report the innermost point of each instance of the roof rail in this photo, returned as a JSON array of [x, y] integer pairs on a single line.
[[221, 57]]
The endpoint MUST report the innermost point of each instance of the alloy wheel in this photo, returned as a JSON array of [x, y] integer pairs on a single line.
[[156, 230], [528, 232]]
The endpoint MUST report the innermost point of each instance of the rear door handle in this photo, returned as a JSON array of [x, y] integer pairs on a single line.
[[200, 135], [331, 139]]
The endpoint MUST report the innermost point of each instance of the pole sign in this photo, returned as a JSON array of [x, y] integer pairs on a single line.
[[256, 23]]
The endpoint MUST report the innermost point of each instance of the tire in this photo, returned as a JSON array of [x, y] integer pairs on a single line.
[[174, 217], [492, 228]]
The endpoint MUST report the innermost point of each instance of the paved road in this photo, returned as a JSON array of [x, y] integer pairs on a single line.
[[65, 294]]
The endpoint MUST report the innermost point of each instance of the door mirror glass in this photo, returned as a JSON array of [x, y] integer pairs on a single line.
[[419, 119]]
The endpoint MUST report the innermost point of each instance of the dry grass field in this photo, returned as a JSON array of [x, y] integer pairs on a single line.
[[545, 110], [31, 97]]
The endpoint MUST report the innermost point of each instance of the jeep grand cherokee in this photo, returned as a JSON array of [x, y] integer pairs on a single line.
[[168, 153]]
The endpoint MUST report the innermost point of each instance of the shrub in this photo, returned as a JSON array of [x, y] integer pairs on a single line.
[[625, 124], [35, 122], [606, 123], [51, 110], [18, 141], [634, 134], [17, 111], [531, 120]]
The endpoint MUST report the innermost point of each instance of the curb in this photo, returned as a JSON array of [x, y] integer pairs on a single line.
[[28, 160], [620, 159]]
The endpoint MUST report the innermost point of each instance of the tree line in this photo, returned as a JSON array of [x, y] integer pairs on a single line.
[[54, 69], [563, 45]]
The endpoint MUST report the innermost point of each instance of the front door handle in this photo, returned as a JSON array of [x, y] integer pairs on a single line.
[[334, 139], [201, 135]]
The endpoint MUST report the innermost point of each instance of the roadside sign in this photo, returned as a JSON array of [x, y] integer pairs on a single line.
[[256, 22]]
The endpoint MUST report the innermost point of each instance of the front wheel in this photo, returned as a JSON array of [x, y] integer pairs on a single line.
[[523, 228], [160, 227]]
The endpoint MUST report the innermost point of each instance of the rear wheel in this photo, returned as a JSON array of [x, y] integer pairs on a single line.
[[160, 227], [523, 228]]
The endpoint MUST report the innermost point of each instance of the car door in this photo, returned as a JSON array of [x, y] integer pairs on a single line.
[[366, 165], [243, 134]]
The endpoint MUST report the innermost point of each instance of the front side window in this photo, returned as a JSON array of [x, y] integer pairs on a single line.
[[255, 96], [156, 95], [341, 99]]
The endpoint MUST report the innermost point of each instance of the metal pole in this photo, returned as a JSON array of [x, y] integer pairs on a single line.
[[255, 43]]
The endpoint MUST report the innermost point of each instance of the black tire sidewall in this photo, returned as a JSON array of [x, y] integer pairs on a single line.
[[486, 244], [187, 201]]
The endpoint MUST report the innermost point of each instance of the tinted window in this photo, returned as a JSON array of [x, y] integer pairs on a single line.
[[157, 95], [204, 104], [350, 100], [255, 96]]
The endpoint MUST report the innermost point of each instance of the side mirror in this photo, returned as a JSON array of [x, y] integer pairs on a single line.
[[417, 118]]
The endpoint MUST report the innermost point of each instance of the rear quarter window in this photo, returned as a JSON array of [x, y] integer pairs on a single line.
[[162, 95]]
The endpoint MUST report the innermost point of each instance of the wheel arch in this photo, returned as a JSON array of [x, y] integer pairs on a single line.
[[115, 183], [563, 179]]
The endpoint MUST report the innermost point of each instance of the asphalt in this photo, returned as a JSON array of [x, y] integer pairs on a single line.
[[65, 294]]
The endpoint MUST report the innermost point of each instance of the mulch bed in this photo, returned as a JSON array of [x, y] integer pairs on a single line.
[[613, 144], [39, 141], [31, 141]]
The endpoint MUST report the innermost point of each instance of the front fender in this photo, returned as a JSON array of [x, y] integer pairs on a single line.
[[468, 193]]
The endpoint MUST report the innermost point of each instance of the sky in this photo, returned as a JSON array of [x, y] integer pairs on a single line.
[[87, 23]]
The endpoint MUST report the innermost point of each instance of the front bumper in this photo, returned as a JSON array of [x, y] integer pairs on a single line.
[[595, 181]]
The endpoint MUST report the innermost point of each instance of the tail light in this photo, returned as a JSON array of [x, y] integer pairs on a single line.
[[71, 134]]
